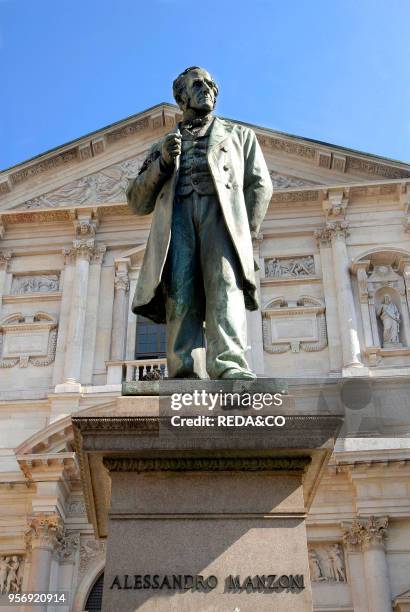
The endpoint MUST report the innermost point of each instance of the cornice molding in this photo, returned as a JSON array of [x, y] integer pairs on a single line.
[[160, 118]]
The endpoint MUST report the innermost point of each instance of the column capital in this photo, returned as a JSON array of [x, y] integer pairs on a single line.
[[332, 230], [121, 280], [44, 530], [365, 533], [98, 253], [5, 257]]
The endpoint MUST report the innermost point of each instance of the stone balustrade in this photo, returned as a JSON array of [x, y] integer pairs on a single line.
[[138, 369]]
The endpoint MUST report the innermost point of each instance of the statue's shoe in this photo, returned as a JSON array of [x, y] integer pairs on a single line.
[[236, 374]]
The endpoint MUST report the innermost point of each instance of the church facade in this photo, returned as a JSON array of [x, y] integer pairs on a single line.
[[334, 285]]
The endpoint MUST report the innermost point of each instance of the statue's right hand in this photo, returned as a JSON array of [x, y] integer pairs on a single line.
[[171, 147]]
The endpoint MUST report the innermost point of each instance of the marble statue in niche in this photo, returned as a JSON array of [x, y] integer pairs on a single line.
[[390, 317]]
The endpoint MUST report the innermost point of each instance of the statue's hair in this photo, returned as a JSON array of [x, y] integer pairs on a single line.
[[178, 86]]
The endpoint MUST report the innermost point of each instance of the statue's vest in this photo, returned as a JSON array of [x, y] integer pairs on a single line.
[[194, 174]]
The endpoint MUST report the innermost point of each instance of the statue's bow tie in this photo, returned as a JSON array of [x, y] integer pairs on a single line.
[[197, 122]]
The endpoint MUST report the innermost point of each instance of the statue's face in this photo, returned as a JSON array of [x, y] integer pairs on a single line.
[[387, 299], [199, 91]]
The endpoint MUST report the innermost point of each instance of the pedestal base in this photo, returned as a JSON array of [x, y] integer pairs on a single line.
[[205, 523]]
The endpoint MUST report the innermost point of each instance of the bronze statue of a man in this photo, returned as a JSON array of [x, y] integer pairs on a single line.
[[208, 187]]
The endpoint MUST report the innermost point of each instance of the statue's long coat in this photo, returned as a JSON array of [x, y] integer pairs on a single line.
[[244, 188]]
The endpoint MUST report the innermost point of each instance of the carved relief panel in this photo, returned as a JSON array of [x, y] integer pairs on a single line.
[[294, 325], [327, 563], [11, 573], [295, 267], [44, 283]]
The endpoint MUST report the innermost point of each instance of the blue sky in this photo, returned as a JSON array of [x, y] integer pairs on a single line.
[[333, 71]]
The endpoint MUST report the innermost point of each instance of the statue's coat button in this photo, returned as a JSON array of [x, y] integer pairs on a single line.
[[227, 186], [224, 149], [226, 167]]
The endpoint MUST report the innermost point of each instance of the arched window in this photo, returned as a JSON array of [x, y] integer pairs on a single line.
[[150, 342], [94, 599]]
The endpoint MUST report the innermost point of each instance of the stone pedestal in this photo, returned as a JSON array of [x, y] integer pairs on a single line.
[[205, 520]]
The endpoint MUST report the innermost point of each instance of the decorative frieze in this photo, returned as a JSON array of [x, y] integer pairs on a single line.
[[43, 166], [205, 464], [294, 325], [27, 340], [11, 573], [363, 166], [327, 563], [44, 283], [131, 128], [293, 267], [288, 147], [307, 195]]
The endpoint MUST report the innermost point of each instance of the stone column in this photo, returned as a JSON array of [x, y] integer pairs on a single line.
[[120, 314], [375, 564], [43, 535], [76, 329], [132, 318], [335, 361], [361, 269], [370, 534], [404, 269], [92, 314], [354, 562], [337, 232], [68, 556]]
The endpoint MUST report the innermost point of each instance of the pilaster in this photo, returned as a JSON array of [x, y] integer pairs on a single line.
[[43, 537], [91, 319], [330, 295], [369, 535], [336, 232], [119, 318], [5, 257]]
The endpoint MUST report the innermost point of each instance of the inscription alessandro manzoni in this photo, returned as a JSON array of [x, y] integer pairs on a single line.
[[264, 583]]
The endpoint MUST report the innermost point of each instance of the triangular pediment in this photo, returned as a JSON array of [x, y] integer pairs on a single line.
[[95, 169]]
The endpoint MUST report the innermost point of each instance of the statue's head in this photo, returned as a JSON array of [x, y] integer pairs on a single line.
[[386, 298], [195, 89]]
